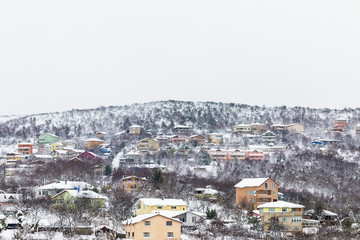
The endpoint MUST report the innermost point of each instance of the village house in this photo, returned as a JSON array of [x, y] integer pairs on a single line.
[[56, 146], [58, 186], [134, 183], [68, 144], [70, 196], [257, 128], [187, 218], [25, 148], [279, 128], [9, 200], [146, 205], [242, 129], [133, 157], [216, 138], [227, 154], [256, 191], [100, 135], [147, 144], [92, 143], [12, 158], [295, 127], [197, 140], [357, 128], [254, 155], [207, 192], [135, 130], [325, 217], [74, 152], [40, 157], [269, 137], [163, 140], [48, 138], [60, 154], [340, 124], [181, 129], [152, 226], [177, 139], [288, 215], [89, 157]]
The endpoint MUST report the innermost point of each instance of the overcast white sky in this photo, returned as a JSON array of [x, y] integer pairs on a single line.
[[65, 54]]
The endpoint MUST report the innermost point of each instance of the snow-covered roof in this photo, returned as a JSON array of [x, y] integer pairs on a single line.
[[128, 177], [213, 134], [135, 126], [65, 185], [207, 191], [25, 143], [42, 156], [280, 204], [324, 212], [174, 214], [50, 134], [251, 182], [83, 194], [162, 202], [143, 217], [181, 126], [93, 140], [104, 133]]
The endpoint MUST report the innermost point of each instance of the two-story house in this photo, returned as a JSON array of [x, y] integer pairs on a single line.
[[197, 140], [58, 186], [256, 191], [287, 215], [92, 143], [152, 226], [133, 183], [148, 144], [216, 138], [242, 129], [181, 129], [25, 148], [135, 130], [257, 128]]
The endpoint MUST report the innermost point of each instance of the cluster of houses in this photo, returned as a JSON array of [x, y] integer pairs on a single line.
[[263, 195]]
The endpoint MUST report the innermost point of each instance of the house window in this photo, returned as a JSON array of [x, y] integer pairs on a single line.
[[133, 234], [284, 219], [147, 223], [169, 223], [296, 228], [251, 200], [271, 209], [173, 207], [266, 185], [193, 219], [170, 234], [251, 192], [146, 234], [274, 192], [284, 209], [296, 219]]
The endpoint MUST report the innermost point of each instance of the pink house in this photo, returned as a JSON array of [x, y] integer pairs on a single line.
[[254, 155]]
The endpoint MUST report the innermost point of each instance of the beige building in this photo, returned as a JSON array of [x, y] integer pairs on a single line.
[[288, 216], [295, 127], [153, 227], [148, 144], [242, 129], [256, 191], [92, 143], [257, 128]]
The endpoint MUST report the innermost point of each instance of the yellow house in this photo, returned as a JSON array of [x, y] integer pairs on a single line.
[[148, 144], [286, 214], [153, 227], [216, 138], [133, 183], [13, 158], [146, 205], [242, 129], [56, 146]]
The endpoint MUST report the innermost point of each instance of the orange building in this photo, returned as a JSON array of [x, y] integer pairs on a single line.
[[92, 143], [254, 155], [256, 191], [153, 227], [135, 130], [25, 148]]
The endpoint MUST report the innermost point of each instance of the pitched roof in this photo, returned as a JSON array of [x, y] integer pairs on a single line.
[[162, 202], [65, 185], [280, 204], [93, 140], [143, 217], [251, 182], [83, 194]]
